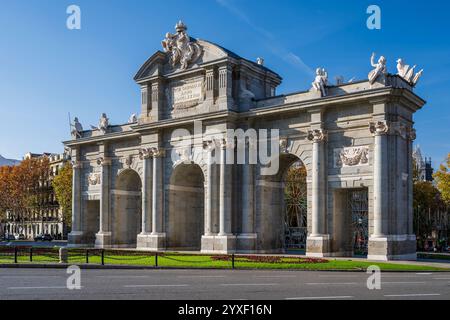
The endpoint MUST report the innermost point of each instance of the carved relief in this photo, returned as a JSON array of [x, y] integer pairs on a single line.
[[94, 179], [351, 157]]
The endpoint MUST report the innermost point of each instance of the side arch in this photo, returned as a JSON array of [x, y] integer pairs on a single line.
[[126, 208]]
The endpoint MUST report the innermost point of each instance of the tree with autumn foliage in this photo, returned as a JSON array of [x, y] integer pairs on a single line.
[[442, 178], [24, 189], [62, 185]]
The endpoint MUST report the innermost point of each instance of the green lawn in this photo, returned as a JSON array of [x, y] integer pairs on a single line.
[[203, 261]]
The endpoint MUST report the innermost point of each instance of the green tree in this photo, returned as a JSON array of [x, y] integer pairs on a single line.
[[442, 177], [62, 185]]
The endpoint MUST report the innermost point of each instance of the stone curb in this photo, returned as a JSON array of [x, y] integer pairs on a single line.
[[119, 267]]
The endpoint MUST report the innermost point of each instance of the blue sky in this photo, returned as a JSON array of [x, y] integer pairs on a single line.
[[47, 71]]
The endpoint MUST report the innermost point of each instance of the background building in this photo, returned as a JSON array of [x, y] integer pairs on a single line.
[[47, 216], [424, 167]]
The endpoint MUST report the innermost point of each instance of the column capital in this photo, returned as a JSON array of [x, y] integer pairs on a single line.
[[317, 135], [412, 134], [224, 145], [104, 161], [209, 145], [145, 153], [379, 128], [77, 164], [158, 152]]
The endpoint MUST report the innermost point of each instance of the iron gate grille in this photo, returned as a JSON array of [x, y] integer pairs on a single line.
[[296, 208], [358, 204]]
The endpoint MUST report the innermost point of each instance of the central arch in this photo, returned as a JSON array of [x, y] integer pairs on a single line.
[[283, 207], [127, 209], [186, 208]]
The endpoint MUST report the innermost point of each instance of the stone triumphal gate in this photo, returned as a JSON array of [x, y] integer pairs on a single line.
[[137, 186]]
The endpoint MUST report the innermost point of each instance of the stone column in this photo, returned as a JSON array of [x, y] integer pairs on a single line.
[[318, 240], [157, 237], [411, 137], [210, 86], [247, 238], [225, 88], [226, 241], [224, 193], [209, 148], [156, 100], [146, 103], [75, 237], [103, 237], [208, 237], [380, 178], [318, 184], [144, 238]]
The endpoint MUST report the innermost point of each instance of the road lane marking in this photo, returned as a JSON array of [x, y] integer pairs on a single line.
[[424, 274], [333, 284], [34, 288], [412, 295], [201, 277], [274, 277], [403, 282], [248, 284], [155, 285], [120, 277], [321, 298]]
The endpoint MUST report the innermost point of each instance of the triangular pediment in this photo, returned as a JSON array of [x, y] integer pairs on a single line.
[[160, 64]]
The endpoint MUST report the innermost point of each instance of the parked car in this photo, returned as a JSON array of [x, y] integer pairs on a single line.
[[43, 237], [20, 237]]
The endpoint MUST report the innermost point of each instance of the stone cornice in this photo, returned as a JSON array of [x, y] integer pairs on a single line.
[[103, 138]]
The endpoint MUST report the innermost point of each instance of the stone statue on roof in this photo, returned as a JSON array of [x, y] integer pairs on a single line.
[[321, 81], [182, 50], [77, 128], [380, 68], [408, 73]]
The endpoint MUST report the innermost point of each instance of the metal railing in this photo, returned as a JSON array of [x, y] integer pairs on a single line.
[[103, 257]]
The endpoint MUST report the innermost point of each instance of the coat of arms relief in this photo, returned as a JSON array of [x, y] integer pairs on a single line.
[[351, 157]]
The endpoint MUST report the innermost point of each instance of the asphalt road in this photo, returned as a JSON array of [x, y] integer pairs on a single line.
[[218, 285]]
